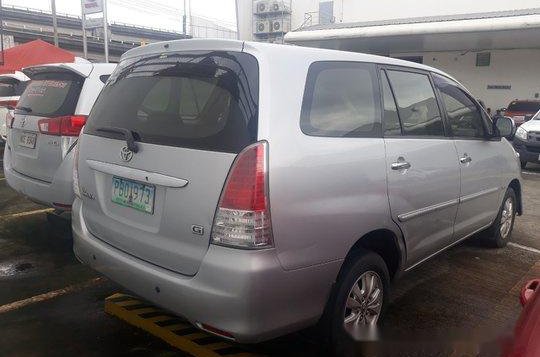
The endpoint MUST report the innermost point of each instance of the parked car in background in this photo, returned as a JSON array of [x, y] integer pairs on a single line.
[[527, 141], [256, 197], [38, 160], [522, 110], [526, 340], [11, 87]]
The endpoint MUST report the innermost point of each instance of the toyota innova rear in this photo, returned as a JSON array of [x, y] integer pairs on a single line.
[[45, 126], [256, 189]]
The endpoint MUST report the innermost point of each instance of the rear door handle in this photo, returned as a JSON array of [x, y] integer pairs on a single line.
[[465, 159], [400, 165]]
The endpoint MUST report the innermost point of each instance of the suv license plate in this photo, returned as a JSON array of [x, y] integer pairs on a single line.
[[28, 140], [133, 194]]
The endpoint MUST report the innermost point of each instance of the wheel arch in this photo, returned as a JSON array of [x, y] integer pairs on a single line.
[[386, 243], [516, 186]]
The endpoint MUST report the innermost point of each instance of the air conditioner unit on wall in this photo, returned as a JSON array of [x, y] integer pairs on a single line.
[[279, 6], [262, 7], [262, 27], [281, 25]]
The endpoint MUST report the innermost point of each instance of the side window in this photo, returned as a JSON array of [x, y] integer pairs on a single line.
[[464, 116], [341, 100], [417, 106], [391, 125]]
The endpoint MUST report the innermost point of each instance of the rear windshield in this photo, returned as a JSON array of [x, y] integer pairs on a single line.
[[11, 87], [524, 107], [200, 100], [51, 95]]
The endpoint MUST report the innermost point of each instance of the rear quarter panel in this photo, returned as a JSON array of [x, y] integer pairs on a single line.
[[325, 193]]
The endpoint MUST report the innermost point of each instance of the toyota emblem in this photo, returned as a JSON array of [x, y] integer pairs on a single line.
[[126, 154]]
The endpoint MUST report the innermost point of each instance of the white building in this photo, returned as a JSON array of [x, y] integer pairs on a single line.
[[492, 47]]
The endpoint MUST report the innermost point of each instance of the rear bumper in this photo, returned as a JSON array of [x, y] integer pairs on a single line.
[[246, 293], [59, 191], [528, 151]]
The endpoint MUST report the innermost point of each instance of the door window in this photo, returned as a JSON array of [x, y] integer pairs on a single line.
[[417, 106], [341, 100], [392, 126], [464, 117]]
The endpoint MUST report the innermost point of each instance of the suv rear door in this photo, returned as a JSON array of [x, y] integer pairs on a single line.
[[190, 113], [52, 92], [422, 168]]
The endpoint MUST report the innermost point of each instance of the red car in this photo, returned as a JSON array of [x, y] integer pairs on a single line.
[[522, 110], [526, 341]]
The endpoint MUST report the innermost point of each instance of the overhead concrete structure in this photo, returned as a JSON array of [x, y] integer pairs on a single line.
[[495, 54], [471, 32]]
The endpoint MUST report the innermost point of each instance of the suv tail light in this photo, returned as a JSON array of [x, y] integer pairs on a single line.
[[76, 187], [62, 126], [10, 104], [243, 214], [9, 119]]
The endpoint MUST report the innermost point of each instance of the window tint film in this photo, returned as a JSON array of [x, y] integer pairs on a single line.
[[391, 123], [341, 100], [51, 95], [463, 115], [7, 90], [201, 100], [417, 105]]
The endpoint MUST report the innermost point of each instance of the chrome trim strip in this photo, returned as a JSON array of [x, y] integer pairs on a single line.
[[422, 211], [478, 194], [449, 246], [137, 175], [404, 217]]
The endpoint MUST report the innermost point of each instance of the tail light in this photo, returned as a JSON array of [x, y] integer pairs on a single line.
[[9, 119], [62, 126], [243, 214], [10, 104], [76, 187]]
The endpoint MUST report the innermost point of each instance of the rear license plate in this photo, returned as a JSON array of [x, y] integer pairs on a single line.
[[28, 140], [133, 194]]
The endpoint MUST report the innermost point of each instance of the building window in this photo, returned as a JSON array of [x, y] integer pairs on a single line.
[[326, 12], [483, 59], [415, 59]]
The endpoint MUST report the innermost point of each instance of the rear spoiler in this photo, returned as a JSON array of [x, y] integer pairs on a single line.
[[11, 78], [82, 70]]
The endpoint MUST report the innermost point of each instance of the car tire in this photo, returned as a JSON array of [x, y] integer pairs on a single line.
[[362, 275], [523, 164], [500, 232]]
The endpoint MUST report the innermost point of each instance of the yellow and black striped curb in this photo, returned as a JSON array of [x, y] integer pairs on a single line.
[[172, 329]]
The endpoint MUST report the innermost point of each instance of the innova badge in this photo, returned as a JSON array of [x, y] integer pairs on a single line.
[[126, 154]]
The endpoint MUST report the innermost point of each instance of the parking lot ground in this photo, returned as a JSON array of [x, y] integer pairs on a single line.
[[52, 305]]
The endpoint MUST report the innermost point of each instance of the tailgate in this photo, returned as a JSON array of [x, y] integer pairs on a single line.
[[48, 95], [189, 114]]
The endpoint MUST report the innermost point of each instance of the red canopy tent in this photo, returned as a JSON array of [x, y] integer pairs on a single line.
[[33, 53]]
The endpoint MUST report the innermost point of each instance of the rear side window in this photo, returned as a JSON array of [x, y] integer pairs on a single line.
[[200, 100], [51, 95], [341, 100], [417, 106]]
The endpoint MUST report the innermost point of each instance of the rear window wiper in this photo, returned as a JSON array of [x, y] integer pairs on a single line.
[[128, 135], [24, 109]]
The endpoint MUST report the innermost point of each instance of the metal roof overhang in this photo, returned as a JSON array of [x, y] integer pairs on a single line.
[[474, 34]]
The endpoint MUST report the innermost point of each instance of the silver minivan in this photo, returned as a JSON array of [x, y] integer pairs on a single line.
[[38, 158], [257, 189]]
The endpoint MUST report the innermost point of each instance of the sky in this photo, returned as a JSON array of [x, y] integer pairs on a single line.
[[160, 14]]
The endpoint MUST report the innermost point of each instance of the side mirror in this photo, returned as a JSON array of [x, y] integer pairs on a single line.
[[505, 127]]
